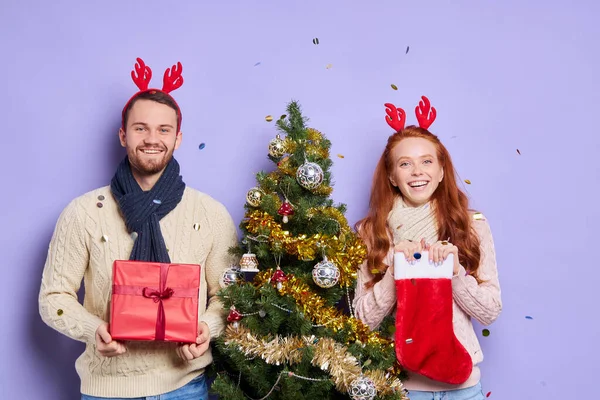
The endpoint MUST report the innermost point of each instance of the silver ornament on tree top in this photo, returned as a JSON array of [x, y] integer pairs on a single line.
[[254, 197], [231, 276], [309, 175], [326, 274], [277, 147], [362, 388]]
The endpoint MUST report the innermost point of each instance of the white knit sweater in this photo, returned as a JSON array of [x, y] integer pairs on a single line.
[[89, 236]]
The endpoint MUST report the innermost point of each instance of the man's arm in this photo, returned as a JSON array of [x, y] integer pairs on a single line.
[[66, 263], [218, 260]]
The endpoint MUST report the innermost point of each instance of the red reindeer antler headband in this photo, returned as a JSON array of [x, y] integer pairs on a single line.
[[142, 74], [396, 117]]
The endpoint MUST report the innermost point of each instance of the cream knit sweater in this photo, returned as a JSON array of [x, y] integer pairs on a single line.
[[89, 236], [471, 300]]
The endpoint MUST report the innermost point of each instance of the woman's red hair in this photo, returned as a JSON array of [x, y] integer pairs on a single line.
[[450, 204]]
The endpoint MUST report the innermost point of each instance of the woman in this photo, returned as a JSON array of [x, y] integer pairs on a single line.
[[416, 206]]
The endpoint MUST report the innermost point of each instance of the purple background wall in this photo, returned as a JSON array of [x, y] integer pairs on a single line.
[[503, 75]]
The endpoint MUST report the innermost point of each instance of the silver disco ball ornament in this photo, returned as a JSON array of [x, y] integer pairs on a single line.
[[231, 276], [309, 175], [326, 274], [362, 388]]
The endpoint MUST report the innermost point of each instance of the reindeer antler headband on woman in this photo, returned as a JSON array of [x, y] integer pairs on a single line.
[[396, 117], [142, 74]]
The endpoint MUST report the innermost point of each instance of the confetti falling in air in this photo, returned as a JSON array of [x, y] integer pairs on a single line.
[[394, 87], [407, 48], [340, 156], [328, 66], [518, 152], [316, 41], [409, 341], [488, 394], [59, 312], [202, 145], [282, 116], [478, 216], [485, 332], [269, 118], [257, 64], [468, 182], [528, 317]]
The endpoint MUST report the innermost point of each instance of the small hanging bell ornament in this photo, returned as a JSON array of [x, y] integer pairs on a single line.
[[249, 263], [286, 210], [277, 147], [234, 316], [278, 278]]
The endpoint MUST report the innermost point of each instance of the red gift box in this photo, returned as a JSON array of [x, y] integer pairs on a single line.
[[154, 301]]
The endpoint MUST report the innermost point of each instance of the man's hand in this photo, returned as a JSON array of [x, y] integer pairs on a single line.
[[105, 345], [191, 351]]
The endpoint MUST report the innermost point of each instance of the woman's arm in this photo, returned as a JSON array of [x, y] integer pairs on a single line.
[[372, 305], [480, 301]]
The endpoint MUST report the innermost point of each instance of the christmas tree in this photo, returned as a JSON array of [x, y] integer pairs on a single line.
[[292, 333]]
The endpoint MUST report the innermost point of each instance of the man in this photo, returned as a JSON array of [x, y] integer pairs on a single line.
[[148, 214]]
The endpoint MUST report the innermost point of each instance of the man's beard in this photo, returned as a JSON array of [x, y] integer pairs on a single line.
[[149, 167]]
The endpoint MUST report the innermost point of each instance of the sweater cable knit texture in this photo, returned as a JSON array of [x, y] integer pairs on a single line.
[[87, 239], [470, 299]]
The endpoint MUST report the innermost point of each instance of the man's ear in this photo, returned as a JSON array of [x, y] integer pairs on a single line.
[[122, 137]]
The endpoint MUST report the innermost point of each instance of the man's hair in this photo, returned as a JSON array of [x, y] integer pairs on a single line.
[[157, 96]]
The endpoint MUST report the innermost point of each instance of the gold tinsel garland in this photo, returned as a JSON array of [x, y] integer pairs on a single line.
[[316, 309], [328, 355], [346, 251]]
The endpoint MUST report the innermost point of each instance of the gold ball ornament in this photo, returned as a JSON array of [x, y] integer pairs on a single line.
[[254, 197], [277, 147]]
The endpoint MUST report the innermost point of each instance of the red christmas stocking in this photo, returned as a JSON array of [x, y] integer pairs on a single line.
[[425, 340]]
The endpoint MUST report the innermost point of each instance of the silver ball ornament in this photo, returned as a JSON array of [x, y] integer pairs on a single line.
[[277, 147], [362, 388], [309, 175], [326, 274], [231, 276]]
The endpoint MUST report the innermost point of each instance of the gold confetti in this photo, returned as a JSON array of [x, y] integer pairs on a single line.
[[478, 216], [269, 118], [59, 312], [518, 152], [468, 182], [394, 87], [340, 156], [197, 226], [104, 238], [282, 116], [328, 66]]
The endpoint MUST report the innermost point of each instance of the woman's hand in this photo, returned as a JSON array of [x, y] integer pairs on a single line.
[[438, 252], [410, 248]]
